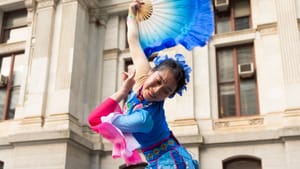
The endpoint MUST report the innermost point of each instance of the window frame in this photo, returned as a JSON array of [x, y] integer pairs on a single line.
[[236, 81], [5, 29], [232, 18], [9, 86], [12, 50]]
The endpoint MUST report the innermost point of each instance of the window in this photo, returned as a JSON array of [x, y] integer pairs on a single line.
[[13, 26], [235, 17], [11, 69], [129, 67], [13, 36], [236, 81], [242, 163]]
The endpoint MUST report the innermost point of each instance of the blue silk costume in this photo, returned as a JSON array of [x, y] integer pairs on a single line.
[[147, 122]]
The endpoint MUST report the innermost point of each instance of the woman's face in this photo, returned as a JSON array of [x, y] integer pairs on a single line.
[[159, 85]]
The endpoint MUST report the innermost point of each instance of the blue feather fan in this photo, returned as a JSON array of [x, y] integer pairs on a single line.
[[167, 23]]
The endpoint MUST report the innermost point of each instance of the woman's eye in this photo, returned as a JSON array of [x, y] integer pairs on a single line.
[[166, 92]]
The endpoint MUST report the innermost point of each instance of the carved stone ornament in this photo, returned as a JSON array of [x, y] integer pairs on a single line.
[[239, 123], [256, 122], [98, 17], [221, 124], [30, 4]]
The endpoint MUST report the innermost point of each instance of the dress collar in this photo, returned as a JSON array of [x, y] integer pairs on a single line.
[[140, 95]]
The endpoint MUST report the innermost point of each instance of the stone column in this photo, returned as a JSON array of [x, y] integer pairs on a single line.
[[39, 58], [68, 76], [292, 152], [100, 21], [289, 42], [30, 41], [95, 160], [111, 55], [205, 86], [91, 94], [290, 52], [110, 72], [102, 31]]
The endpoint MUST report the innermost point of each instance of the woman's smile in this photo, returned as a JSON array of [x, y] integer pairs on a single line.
[[159, 86]]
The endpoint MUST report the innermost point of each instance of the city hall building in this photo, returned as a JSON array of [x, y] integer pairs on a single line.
[[60, 58]]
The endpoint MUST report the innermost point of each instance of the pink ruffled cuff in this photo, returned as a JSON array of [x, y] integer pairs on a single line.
[[124, 145]]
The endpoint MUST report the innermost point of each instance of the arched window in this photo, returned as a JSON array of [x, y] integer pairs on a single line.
[[242, 162], [136, 166]]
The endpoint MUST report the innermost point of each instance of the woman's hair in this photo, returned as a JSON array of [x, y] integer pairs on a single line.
[[177, 70]]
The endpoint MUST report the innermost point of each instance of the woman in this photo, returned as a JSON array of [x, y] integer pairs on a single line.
[[145, 117]]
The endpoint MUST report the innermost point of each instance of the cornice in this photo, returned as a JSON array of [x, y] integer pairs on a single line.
[[233, 38], [111, 54], [89, 4], [11, 5], [110, 51], [113, 7], [269, 28], [46, 3]]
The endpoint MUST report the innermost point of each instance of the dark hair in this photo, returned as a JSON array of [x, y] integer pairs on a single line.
[[176, 69]]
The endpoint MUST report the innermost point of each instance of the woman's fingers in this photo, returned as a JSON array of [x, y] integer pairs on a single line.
[[128, 75], [129, 81], [124, 76], [132, 74]]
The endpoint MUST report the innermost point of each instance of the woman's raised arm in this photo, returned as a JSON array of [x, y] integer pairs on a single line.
[[138, 56]]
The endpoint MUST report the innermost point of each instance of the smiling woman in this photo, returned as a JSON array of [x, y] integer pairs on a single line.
[[144, 120], [161, 83]]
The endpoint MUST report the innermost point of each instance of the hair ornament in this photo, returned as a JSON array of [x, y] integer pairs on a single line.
[[179, 58]]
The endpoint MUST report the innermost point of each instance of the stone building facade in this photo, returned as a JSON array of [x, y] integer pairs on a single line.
[[61, 58]]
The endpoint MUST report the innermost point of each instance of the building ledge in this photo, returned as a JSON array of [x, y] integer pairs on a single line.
[[279, 135], [31, 138]]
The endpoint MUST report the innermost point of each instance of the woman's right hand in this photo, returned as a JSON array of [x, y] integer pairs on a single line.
[[134, 7]]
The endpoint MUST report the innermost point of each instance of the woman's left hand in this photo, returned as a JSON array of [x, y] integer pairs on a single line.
[[128, 81]]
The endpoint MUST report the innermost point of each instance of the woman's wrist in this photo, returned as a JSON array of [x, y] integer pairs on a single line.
[[119, 95], [130, 17]]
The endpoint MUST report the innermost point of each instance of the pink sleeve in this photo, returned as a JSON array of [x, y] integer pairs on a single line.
[[105, 108]]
